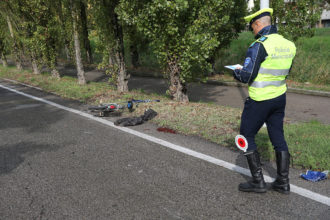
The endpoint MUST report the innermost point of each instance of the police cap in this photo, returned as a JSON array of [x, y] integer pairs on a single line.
[[259, 14]]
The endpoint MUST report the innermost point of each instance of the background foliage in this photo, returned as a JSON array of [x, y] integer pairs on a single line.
[[296, 18], [310, 63], [195, 38], [188, 32]]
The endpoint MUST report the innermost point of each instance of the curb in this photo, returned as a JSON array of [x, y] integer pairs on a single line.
[[290, 89], [309, 92]]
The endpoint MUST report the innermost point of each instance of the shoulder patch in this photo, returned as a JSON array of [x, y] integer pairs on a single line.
[[262, 39], [247, 61]]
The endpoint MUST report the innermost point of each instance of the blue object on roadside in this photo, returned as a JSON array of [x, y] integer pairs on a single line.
[[314, 176]]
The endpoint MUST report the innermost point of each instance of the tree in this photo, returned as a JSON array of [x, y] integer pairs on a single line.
[[236, 26], [7, 12], [47, 35], [65, 22], [183, 34], [26, 26], [4, 41], [51, 29], [110, 33], [295, 18], [86, 42], [135, 40], [37, 23], [80, 68]]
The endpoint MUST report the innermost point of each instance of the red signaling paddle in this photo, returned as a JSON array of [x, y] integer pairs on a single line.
[[241, 142]]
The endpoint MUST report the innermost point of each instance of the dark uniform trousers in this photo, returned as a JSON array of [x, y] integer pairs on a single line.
[[271, 112]]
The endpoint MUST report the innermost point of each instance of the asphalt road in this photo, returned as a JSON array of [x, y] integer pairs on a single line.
[[55, 164]]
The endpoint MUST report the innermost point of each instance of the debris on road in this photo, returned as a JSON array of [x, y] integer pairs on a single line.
[[131, 121], [315, 176], [166, 130]]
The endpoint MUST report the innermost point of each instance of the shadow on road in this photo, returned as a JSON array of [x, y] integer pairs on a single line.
[[22, 120], [11, 156]]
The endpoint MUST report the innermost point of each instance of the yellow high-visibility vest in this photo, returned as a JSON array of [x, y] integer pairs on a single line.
[[270, 81]]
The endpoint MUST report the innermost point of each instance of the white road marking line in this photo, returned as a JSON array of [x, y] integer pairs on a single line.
[[295, 189], [14, 81]]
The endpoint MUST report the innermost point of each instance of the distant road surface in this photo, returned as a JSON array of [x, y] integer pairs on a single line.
[[300, 107]]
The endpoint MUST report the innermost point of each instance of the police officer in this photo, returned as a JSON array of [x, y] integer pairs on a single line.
[[266, 66]]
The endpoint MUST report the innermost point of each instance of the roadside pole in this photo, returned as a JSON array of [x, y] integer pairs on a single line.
[[264, 4]]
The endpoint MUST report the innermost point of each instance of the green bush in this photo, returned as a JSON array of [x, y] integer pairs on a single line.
[[310, 63], [235, 53]]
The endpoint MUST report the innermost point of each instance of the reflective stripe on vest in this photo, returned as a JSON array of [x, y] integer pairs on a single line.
[[274, 72], [267, 83]]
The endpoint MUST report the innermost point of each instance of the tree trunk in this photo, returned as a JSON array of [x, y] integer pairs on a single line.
[[67, 51], [87, 44], [80, 67], [178, 89], [62, 22], [52, 57], [211, 60], [54, 71], [123, 76], [134, 56], [4, 60], [35, 68], [15, 47], [112, 59], [55, 74]]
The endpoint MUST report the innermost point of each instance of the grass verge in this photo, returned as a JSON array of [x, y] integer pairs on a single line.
[[308, 142]]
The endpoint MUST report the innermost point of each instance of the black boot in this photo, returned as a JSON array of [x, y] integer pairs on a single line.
[[281, 184], [257, 184]]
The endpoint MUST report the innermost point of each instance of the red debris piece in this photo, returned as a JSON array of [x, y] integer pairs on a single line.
[[166, 130]]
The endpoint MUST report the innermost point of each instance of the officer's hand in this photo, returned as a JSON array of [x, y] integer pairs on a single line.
[[238, 68]]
